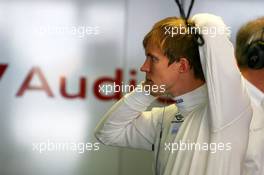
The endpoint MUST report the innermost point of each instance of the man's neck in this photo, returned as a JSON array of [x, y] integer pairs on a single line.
[[188, 87], [255, 77]]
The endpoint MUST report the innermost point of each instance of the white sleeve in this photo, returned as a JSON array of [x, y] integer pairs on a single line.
[[127, 124], [227, 95]]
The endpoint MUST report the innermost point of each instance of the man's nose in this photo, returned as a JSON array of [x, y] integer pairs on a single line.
[[146, 66]]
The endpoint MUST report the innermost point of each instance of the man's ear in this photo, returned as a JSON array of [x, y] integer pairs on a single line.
[[184, 65]]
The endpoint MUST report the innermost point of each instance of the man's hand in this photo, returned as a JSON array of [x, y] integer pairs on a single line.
[[153, 89]]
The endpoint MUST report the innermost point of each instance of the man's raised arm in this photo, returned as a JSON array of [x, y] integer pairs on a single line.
[[227, 95]]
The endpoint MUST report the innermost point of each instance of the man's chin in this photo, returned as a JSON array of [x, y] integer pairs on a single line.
[[148, 81]]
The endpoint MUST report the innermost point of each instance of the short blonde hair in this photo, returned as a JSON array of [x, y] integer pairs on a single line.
[[178, 45]]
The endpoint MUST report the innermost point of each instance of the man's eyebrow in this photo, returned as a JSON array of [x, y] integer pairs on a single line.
[[151, 55]]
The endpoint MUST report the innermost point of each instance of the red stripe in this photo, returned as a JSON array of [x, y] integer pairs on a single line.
[[2, 69]]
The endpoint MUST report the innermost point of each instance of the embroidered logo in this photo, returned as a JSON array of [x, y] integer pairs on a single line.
[[176, 123], [179, 101], [178, 118]]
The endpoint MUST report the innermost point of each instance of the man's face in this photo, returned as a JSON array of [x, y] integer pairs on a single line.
[[157, 68]]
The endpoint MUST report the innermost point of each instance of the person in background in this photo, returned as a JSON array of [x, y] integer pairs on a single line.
[[250, 58]]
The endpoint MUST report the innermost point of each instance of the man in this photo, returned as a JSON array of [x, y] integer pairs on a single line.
[[206, 131], [250, 57]]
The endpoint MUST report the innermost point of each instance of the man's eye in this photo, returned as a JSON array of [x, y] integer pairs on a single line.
[[154, 59]]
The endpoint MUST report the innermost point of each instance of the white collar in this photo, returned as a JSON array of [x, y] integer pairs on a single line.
[[190, 100], [255, 94]]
